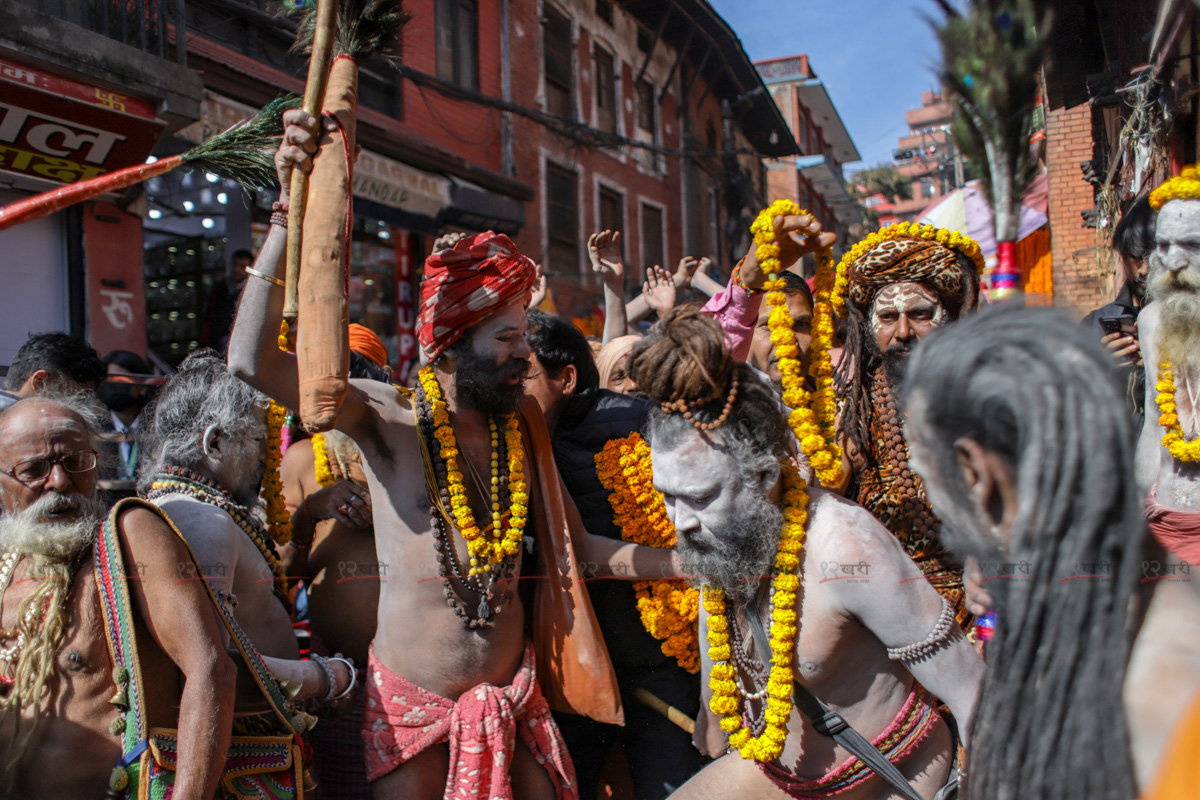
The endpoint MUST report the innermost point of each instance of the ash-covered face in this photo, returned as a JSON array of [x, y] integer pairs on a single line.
[[727, 527], [964, 527], [1175, 284], [902, 315]]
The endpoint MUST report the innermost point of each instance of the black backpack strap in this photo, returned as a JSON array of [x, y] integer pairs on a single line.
[[828, 722]]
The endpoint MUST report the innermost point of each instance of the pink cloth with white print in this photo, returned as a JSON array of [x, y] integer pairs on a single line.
[[402, 720]]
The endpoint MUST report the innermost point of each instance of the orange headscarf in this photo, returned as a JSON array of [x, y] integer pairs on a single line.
[[367, 344]]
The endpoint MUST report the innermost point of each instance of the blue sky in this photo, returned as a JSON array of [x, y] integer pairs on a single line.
[[874, 57]]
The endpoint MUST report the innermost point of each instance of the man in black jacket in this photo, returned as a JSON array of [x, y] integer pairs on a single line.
[[582, 418]]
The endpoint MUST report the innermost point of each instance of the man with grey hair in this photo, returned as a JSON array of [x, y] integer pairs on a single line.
[[58, 687], [206, 434], [1169, 335]]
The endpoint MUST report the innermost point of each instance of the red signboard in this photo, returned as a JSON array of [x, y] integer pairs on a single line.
[[62, 130], [406, 304]]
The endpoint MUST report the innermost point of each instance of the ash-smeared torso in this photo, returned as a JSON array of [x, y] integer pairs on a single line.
[[72, 751], [1176, 483], [886, 486], [419, 635]]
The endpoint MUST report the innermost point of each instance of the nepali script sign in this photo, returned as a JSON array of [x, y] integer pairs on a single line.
[[57, 129]]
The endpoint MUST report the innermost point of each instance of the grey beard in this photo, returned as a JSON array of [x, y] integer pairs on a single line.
[[743, 554], [31, 531], [1178, 296]]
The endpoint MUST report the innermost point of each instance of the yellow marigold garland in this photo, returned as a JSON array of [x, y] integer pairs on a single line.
[[669, 608], [1184, 186], [727, 698], [503, 544], [813, 419], [321, 455], [279, 521], [1179, 448], [943, 236]]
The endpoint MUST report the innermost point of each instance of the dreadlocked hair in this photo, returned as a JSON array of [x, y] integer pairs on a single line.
[[1032, 387], [684, 357]]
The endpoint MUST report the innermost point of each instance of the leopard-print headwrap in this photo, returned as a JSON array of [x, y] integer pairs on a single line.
[[907, 259]]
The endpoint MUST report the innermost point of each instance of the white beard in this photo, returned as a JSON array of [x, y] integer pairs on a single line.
[[36, 531], [1178, 296]]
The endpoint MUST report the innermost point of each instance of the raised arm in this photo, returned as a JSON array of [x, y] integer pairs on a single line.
[[180, 618], [604, 250]]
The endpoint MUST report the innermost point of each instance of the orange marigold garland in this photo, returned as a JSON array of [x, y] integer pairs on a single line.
[[324, 472], [669, 608], [1179, 448], [279, 521], [813, 418], [943, 236], [504, 542]]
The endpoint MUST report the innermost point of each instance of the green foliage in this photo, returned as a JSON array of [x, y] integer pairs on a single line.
[[990, 61], [882, 179]]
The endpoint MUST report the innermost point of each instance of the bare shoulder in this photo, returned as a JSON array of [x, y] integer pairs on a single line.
[[841, 530], [1149, 316], [197, 520], [142, 526], [387, 402]]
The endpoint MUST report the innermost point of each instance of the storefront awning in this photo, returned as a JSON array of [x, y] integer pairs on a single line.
[[475, 208]]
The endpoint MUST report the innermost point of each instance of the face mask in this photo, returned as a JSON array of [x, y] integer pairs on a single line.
[[118, 397]]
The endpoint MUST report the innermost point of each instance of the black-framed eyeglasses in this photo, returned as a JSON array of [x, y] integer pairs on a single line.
[[38, 469]]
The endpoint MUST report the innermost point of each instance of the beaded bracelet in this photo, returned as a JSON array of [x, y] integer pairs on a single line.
[[330, 679], [737, 278], [941, 631], [279, 218]]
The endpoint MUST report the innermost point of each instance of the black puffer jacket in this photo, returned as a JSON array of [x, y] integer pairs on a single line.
[[586, 425]]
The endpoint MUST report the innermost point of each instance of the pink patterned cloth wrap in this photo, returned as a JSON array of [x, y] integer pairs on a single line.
[[401, 720], [1177, 531], [468, 283]]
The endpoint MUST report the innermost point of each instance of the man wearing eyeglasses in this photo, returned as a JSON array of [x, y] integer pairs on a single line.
[[59, 698]]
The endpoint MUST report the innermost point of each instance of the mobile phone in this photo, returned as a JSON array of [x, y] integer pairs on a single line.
[[1125, 325]]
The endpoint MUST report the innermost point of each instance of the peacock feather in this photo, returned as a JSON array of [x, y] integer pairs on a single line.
[[363, 27]]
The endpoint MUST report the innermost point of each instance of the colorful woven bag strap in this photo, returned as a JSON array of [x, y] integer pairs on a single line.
[[118, 621]]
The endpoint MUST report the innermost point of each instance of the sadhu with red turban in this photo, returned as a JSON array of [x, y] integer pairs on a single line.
[[467, 283]]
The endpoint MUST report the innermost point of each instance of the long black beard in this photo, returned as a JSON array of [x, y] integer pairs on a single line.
[[895, 360], [742, 555], [481, 384]]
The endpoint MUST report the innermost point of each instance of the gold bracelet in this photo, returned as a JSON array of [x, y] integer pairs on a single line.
[[264, 276]]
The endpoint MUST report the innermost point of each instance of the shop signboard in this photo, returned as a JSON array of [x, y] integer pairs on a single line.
[[391, 183], [61, 130], [406, 305]]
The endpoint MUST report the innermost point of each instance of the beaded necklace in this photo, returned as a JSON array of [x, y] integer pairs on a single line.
[[180, 480], [480, 583]]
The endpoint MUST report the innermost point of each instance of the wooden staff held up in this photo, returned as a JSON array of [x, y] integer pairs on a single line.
[[314, 95]]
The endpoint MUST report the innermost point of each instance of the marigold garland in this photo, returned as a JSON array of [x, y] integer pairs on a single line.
[[321, 466], [943, 236], [669, 608], [727, 698], [813, 419], [279, 520], [1184, 186], [503, 544], [1179, 448]]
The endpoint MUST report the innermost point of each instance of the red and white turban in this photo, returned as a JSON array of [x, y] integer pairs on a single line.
[[467, 283]]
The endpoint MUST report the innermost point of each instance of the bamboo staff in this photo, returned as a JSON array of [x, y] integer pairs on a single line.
[[314, 95], [242, 153], [669, 711]]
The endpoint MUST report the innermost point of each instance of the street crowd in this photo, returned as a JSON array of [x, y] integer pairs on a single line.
[[867, 535]]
